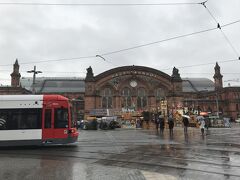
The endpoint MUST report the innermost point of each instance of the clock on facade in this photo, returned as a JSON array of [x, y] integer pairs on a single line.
[[133, 83]]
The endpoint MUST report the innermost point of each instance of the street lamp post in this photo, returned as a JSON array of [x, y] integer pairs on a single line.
[[34, 78]]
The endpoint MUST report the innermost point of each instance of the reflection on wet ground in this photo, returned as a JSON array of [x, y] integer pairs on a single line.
[[189, 156], [130, 154]]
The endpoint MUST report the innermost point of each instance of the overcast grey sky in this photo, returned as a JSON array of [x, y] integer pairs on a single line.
[[34, 33]]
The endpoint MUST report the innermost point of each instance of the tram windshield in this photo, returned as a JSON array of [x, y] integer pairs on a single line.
[[61, 118]]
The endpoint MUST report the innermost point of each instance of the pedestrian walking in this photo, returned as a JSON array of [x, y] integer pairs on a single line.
[[157, 121], [185, 123], [170, 125], [207, 123], [202, 126], [161, 123]]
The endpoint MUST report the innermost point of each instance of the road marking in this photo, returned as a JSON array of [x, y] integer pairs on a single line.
[[157, 176]]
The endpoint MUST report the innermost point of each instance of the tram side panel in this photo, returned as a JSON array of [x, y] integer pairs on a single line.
[[20, 120], [35, 120]]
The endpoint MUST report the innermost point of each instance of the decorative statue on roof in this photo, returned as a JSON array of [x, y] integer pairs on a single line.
[[89, 74], [89, 70], [175, 73]]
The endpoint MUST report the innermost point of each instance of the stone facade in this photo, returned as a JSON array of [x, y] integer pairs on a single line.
[[132, 88], [137, 88], [121, 89]]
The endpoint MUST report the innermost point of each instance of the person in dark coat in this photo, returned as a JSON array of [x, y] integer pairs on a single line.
[[170, 125], [157, 123], [186, 124], [161, 123], [207, 122]]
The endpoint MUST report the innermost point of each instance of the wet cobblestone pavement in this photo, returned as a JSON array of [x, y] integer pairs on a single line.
[[129, 154]]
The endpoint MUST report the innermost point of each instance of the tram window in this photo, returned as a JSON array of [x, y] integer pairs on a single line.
[[3, 120], [61, 118], [32, 120], [17, 120], [21, 118], [48, 118], [2, 123]]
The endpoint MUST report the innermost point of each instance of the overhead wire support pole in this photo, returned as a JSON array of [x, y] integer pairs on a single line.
[[34, 78]]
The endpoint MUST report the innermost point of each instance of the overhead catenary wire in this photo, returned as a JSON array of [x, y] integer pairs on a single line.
[[225, 73], [106, 60], [213, 62], [147, 44], [97, 4], [203, 64], [157, 42], [220, 28], [179, 67], [168, 39], [126, 49], [53, 60]]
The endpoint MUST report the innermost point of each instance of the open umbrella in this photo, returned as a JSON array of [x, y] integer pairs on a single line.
[[200, 118], [186, 116]]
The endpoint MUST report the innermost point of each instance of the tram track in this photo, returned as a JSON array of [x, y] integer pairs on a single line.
[[145, 155], [121, 162], [192, 148], [191, 154], [154, 154]]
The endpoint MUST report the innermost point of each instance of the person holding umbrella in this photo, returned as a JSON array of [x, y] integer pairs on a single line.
[[202, 126], [185, 122], [202, 123]]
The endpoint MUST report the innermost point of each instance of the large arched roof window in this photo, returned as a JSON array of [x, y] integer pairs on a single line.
[[159, 94], [141, 98], [126, 97], [106, 94]]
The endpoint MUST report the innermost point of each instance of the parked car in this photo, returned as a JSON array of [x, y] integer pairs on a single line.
[[215, 121], [109, 124], [88, 124], [237, 120]]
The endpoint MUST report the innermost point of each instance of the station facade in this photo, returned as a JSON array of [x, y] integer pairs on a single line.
[[131, 90]]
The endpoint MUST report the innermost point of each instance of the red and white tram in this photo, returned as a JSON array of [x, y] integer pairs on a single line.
[[36, 120]]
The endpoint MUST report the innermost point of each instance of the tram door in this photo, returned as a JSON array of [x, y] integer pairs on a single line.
[[56, 123], [48, 132], [60, 122]]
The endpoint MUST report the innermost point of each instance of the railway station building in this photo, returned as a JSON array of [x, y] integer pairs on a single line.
[[128, 91]]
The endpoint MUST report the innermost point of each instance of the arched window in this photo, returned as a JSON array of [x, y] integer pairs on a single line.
[[221, 110], [159, 94], [106, 98], [78, 105], [209, 109], [141, 98], [126, 97]]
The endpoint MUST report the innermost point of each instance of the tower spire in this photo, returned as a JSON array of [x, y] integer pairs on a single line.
[[15, 75], [218, 77]]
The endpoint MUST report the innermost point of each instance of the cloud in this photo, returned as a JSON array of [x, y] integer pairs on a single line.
[[35, 33]]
